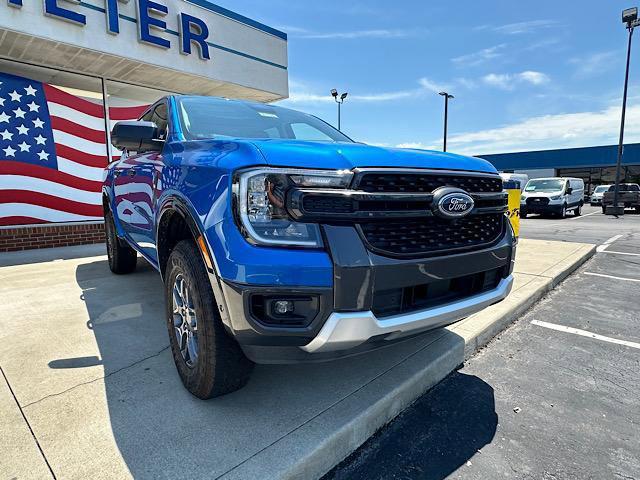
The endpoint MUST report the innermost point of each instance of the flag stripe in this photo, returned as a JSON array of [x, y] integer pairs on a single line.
[[61, 97], [30, 184], [50, 201], [71, 128], [92, 148], [41, 213], [81, 157], [35, 171], [95, 174], [15, 220]]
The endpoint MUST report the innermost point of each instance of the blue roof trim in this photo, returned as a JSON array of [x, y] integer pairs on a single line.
[[585, 157], [238, 18], [212, 45]]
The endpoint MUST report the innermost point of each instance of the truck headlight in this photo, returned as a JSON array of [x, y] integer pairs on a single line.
[[260, 199], [555, 197]]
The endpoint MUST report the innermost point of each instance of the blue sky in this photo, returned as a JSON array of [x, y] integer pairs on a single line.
[[526, 75]]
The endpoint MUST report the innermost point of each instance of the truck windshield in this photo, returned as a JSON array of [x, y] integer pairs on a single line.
[[601, 189], [544, 186], [209, 117]]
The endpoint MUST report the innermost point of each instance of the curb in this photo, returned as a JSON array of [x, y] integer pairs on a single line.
[[343, 427]]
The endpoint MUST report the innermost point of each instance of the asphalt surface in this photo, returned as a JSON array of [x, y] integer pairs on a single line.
[[545, 400]]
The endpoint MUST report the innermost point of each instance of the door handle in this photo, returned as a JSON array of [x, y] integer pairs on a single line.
[[131, 173]]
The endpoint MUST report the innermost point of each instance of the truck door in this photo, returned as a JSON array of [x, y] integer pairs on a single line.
[[138, 191]]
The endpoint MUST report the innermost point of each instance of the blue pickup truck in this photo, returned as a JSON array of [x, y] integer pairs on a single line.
[[281, 240]]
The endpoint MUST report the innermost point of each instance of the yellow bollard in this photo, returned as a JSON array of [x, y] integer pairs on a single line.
[[513, 189]]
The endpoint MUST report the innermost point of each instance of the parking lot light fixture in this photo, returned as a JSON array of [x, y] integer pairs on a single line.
[[630, 19], [339, 98], [447, 97]]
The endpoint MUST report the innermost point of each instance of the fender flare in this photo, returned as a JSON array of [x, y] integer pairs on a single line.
[[176, 205]]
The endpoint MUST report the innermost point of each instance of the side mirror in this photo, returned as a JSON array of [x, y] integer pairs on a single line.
[[136, 136], [569, 190]]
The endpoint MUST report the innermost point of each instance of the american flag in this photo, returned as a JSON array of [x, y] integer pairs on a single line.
[[52, 153]]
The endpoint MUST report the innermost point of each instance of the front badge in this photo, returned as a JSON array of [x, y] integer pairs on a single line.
[[452, 203]]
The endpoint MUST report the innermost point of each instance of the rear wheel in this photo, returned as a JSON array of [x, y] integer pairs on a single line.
[[122, 258], [210, 363]]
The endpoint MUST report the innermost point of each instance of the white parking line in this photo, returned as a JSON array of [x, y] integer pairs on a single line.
[[583, 216], [620, 253], [612, 276], [584, 333], [605, 245]]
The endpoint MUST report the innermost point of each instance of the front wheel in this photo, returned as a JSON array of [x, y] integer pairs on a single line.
[[210, 363], [563, 212]]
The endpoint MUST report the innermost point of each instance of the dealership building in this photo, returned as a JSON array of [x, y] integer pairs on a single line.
[[595, 165], [68, 70]]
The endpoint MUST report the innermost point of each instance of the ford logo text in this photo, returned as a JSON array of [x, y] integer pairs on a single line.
[[454, 205]]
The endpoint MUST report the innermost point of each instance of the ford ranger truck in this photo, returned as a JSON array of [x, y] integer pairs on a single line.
[[280, 240]]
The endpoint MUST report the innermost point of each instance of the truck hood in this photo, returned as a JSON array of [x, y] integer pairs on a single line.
[[346, 156]]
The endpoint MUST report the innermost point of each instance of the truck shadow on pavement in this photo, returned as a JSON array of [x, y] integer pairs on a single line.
[[158, 430], [433, 438]]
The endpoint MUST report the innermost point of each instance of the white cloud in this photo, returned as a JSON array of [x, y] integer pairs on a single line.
[[508, 81], [418, 145], [303, 33], [595, 63], [551, 131], [520, 27], [301, 94], [479, 57]]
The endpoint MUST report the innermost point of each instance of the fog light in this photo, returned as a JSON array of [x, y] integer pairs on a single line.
[[282, 307]]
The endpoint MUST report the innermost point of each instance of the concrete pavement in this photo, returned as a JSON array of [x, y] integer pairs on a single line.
[[88, 362]]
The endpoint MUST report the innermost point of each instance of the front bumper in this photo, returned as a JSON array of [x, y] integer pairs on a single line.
[[348, 330], [349, 319]]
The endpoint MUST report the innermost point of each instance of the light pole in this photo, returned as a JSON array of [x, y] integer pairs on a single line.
[[630, 18], [447, 97], [339, 100]]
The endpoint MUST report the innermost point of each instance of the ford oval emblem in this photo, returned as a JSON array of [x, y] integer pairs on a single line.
[[454, 205]]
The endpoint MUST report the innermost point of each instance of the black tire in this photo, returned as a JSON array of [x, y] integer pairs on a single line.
[[563, 212], [638, 210], [604, 209], [122, 258], [578, 211], [219, 366]]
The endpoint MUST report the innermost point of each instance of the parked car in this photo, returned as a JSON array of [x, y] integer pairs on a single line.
[[280, 240], [598, 193], [628, 195], [556, 196]]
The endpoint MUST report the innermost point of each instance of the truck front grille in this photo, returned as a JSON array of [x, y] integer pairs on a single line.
[[541, 201], [433, 234], [377, 182]]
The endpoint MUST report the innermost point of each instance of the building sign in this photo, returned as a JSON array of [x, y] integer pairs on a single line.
[[193, 31]]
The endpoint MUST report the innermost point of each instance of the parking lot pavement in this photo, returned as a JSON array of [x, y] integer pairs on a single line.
[[94, 392], [554, 397], [591, 227]]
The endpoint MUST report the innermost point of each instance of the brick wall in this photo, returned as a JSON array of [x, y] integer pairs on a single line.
[[45, 236]]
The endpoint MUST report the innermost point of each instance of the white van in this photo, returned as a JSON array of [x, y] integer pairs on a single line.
[[555, 196]]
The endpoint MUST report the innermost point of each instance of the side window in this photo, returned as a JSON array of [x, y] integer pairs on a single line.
[[160, 117], [147, 116]]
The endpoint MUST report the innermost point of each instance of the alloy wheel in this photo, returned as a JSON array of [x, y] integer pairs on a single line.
[[185, 321]]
